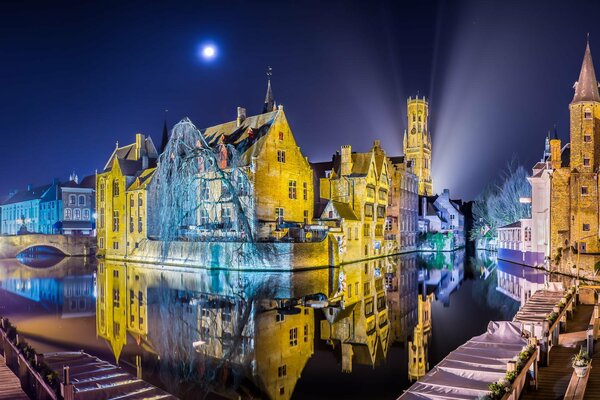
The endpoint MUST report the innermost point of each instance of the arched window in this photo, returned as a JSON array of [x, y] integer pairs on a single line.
[[77, 214], [72, 200], [81, 200], [587, 114], [102, 191], [68, 214], [115, 188]]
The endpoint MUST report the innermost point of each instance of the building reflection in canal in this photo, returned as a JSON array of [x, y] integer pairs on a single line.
[[233, 334]]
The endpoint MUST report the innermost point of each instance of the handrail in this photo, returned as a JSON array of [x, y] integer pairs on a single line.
[[577, 385], [22, 360]]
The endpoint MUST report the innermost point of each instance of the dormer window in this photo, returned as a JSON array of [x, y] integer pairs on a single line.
[[587, 114]]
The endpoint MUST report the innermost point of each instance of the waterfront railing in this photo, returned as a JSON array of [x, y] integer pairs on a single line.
[[23, 362]]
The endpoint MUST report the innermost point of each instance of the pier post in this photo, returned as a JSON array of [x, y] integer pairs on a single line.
[[66, 388]]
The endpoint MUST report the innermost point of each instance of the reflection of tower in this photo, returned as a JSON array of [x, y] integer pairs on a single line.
[[418, 348], [417, 143]]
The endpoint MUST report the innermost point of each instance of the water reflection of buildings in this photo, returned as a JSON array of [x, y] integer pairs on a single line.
[[60, 289], [443, 275], [240, 330], [517, 281], [356, 319]]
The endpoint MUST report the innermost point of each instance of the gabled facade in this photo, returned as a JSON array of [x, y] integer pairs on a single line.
[[359, 183], [125, 168]]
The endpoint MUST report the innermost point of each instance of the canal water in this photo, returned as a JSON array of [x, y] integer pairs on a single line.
[[336, 333]]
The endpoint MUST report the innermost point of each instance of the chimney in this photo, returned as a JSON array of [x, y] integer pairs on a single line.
[[241, 115], [346, 160], [139, 144], [555, 158]]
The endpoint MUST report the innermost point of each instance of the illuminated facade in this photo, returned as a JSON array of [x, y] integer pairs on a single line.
[[402, 220], [356, 187], [417, 143], [574, 197], [357, 316], [121, 197], [267, 344], [418, 348]]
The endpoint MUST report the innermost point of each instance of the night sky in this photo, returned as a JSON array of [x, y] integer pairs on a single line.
[[76, 77]]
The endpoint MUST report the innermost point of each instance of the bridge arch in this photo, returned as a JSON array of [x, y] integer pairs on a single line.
[[11, 246]]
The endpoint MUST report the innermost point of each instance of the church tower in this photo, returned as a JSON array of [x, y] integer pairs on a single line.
[[417, 143]]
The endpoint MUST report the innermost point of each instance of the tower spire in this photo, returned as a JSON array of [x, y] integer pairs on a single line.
[[269, 101], [586, 88], [165, 134]]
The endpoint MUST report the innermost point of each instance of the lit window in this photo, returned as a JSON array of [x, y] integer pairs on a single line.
[[282, 371], [68, 214], [279, 214], [86, 214], [281, 156], [294, 337], [292, 189], [115, 221], [77, 214]]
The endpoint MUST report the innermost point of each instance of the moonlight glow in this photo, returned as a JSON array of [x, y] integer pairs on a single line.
[[208, 52]]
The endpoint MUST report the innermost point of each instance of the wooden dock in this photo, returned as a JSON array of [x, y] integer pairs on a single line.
[[592, 390], [554, 379], [10, 386]]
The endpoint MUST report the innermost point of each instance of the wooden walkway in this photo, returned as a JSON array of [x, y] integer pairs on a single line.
[[592, 390], [10, 387], [554, 379]]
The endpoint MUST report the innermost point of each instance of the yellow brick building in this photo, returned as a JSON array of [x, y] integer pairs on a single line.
[[574, 193], [278, 194], [417, 143], [356, 187], [121, 197]]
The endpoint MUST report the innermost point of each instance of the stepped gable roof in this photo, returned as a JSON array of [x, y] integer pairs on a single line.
[[513, 225], [586, 87], [27, 195], [246, 138]]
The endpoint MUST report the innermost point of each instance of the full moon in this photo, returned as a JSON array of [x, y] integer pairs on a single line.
[[209, 52]]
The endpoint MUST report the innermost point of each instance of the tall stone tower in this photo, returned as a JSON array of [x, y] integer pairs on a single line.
[[417, 143], [585, 157]]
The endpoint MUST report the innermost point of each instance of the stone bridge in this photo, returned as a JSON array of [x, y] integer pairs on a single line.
[[11, 246]]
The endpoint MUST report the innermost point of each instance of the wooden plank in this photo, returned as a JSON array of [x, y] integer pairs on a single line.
[[577, 386], [10, 386]]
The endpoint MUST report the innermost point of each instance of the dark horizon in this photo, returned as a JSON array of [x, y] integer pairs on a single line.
[[81, 76]]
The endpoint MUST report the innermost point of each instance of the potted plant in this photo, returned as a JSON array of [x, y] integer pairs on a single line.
[[581, 363]]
